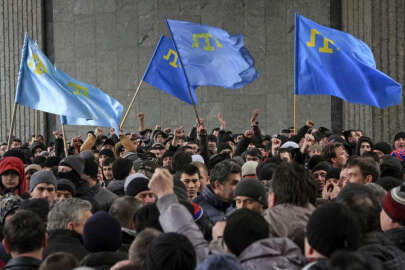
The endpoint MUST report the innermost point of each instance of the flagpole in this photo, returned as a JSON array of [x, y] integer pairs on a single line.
[[36, 114], [12, 126], [295, 113], [131, 104], [64, 140], [185, 75]]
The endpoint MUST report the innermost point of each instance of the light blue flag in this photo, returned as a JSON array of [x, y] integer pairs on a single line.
[[165, 72], [331, 62], [107, 109], [211, 56], [39, 88]]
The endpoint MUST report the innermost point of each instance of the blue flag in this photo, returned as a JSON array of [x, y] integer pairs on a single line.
[[38, 86], [211, 56], [331, 62], [107, 109], [165, 72]]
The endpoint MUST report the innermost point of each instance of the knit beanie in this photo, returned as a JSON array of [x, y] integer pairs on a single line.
[[249, 168], [131, 177], [65, 184], [171, 251], [121, 168], [391, 166], [264, 171], [389, 182], [74, 162], [220, 261], [197, 158], [253, 189], [313, 161], [333, 227], [91, 168], [102, 232], [393, 204], [137, 185], [86, 154], [322, 166], [8, 203], [244, 227], [42, 177], [51, 162], [383, 147]]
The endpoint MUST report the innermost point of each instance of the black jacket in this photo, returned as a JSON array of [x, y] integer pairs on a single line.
[[397, 236], [66, 241], [103, 260], [23, 263], [378, 246]]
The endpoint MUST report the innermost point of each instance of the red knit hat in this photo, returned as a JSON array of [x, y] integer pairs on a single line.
[[394, 204]]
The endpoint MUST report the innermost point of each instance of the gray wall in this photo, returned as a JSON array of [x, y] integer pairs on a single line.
[[381, 25], [108, 44], [17, 17]]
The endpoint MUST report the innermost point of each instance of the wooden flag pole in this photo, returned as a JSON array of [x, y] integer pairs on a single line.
[[12, 126], [64, 140], [295, 113], [131, 104], [192, 100], [36, 124]]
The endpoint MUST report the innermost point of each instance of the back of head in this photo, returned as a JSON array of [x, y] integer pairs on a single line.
[[361, 200], [59, 261], [220, 261], [139, 247], [39, 206], [121, 168], [123, 209], [391, 166], [292, 184], [171, 251], [333, 227], [24, 232], [102, 232], [244, 227], [147, 217], [66, 211]]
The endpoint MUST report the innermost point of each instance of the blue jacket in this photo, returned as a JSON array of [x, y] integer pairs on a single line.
[[214, 207]]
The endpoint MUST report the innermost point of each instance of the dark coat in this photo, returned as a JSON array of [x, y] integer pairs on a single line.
[[215, 208], [378, 246], [66, 241], [23, 263], [397, 236], [103, 260]]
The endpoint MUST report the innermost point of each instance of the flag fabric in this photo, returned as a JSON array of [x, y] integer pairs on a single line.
[[38, 86], [332, 62], [165, 72], [211, 56], [107, 109]]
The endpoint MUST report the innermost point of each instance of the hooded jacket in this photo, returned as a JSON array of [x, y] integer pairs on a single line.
[[15, 164], [268, 253]]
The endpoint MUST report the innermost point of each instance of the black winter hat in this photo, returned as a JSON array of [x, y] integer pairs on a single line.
[[383, 147], [333, 227], [244, 227], [171, 251], [91, 168], [51, 162], [322, 166], [8, 203], [74, 162], [65, 184], [107, 152], [333, 173], [37, 205], [137, 185], [121, 168], [102, 232], [253, 189]]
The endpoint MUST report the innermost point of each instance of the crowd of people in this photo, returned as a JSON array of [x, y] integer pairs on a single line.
[[312, 198]]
